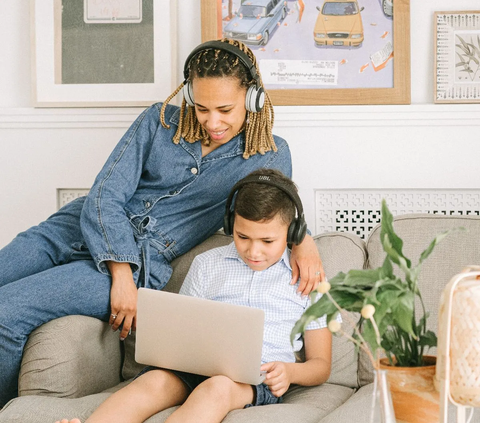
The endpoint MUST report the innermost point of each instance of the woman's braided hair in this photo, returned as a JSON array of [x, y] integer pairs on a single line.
[[213, 63]]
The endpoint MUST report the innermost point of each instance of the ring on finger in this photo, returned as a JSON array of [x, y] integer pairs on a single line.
[[318, 273], [114, 316]]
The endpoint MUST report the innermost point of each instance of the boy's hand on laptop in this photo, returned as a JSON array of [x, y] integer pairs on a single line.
[[277, 378], [306, 265]]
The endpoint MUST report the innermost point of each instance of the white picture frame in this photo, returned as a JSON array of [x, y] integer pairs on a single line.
[[457, 56], [112, 12], [50, 85]]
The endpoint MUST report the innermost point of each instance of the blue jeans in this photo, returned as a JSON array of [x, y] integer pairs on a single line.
[[44, 275]]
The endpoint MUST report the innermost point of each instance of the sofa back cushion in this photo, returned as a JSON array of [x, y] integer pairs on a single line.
[[339, 252], [451, 256], [60, 361]]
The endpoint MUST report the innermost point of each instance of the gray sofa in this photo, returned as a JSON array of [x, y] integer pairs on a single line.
[[72, 364]]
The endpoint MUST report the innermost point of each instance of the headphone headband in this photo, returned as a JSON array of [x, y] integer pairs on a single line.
[[297, 229], [219, 45], [267, 180]]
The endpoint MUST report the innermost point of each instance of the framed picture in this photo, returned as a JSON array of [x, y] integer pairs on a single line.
[[324, 51], [91, 53], [457, 57]]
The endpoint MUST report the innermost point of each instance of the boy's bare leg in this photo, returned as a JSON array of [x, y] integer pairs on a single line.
[[211, 401], [150, 393]]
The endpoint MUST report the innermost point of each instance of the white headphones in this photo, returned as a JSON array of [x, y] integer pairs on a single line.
[[255, 98]]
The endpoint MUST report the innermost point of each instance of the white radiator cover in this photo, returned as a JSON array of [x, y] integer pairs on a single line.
[[358, 210]]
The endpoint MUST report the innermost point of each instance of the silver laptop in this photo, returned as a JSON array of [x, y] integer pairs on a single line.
[[199, 336]]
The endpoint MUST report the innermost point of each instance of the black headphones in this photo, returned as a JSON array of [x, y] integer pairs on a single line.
[[297, 229], [255, 94]]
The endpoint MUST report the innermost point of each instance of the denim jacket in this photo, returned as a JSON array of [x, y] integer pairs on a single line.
[[154, 200]]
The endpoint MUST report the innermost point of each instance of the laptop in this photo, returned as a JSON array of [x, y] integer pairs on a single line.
[[200, 336]]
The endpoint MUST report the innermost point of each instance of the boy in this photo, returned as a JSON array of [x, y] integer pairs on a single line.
[[254, 270]]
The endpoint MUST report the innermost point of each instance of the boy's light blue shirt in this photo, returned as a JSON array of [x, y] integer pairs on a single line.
[[221, 275]]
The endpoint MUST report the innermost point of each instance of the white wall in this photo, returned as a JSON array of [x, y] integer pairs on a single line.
[[417, 146]]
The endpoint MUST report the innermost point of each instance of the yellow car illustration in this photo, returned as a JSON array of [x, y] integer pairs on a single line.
[[339, 23]]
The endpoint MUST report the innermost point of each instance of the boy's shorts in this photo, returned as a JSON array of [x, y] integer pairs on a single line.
[[262, 394]]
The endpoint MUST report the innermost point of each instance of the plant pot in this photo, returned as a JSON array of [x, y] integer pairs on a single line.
[[414, 397]]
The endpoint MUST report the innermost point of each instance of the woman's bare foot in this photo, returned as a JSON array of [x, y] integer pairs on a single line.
[[68, 421]]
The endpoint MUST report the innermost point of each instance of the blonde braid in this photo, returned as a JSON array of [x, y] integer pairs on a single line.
[[258, 128], [164, 106]]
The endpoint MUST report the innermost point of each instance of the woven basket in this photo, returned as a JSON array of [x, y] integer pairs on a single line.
[[458, 357]]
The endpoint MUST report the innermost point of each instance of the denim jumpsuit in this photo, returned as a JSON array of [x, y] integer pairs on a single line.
[[152, 201]]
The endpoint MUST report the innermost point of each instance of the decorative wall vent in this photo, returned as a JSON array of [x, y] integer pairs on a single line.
[[358, 211], [65, 195]]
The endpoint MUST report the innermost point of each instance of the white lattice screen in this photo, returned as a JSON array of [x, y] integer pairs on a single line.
[[358, 211], [65, 195]]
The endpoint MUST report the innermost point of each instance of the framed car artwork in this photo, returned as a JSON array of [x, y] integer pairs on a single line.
[[323, 51]]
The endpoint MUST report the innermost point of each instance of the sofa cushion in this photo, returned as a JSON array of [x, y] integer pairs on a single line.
[[454, 253], [340, 252], [301, 404], [70, 357]]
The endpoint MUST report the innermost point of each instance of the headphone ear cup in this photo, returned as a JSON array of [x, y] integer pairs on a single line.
[[228, 220], [255, 99], [291, 238], [188, 94], [297, 231]]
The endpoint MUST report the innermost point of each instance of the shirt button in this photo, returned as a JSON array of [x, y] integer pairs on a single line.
[[194, 170], [147, 204]]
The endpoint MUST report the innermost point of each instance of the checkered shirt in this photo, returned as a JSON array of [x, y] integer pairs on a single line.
[[221, 275]]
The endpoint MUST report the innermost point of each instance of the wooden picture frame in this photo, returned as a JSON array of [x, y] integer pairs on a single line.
[[102, 61], [457, 57], [397, 93]]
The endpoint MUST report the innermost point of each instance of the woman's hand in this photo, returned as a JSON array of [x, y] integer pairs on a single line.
[[306, 264], [277, 378], [123, 298]]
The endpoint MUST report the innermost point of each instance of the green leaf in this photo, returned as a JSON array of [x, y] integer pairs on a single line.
[[369, 335], [392, 244], [404, 312], [436, 241], [428, 339], [364, 277], [432, 245], [387, 269], [338, 279]]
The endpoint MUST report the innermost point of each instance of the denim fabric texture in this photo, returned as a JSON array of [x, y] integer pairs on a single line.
[[152, 201]]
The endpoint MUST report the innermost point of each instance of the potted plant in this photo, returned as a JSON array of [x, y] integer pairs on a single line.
[[389, 324]]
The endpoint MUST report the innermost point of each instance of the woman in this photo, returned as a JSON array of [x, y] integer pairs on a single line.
[[161, 192]]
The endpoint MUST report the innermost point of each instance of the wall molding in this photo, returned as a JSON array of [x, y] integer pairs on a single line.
[[31, 118], [285, 116]]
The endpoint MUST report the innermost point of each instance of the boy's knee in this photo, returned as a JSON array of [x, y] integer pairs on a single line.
[[218, 386], [154, 381]]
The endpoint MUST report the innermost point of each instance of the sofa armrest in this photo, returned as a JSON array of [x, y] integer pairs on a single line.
[[70, 357]]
